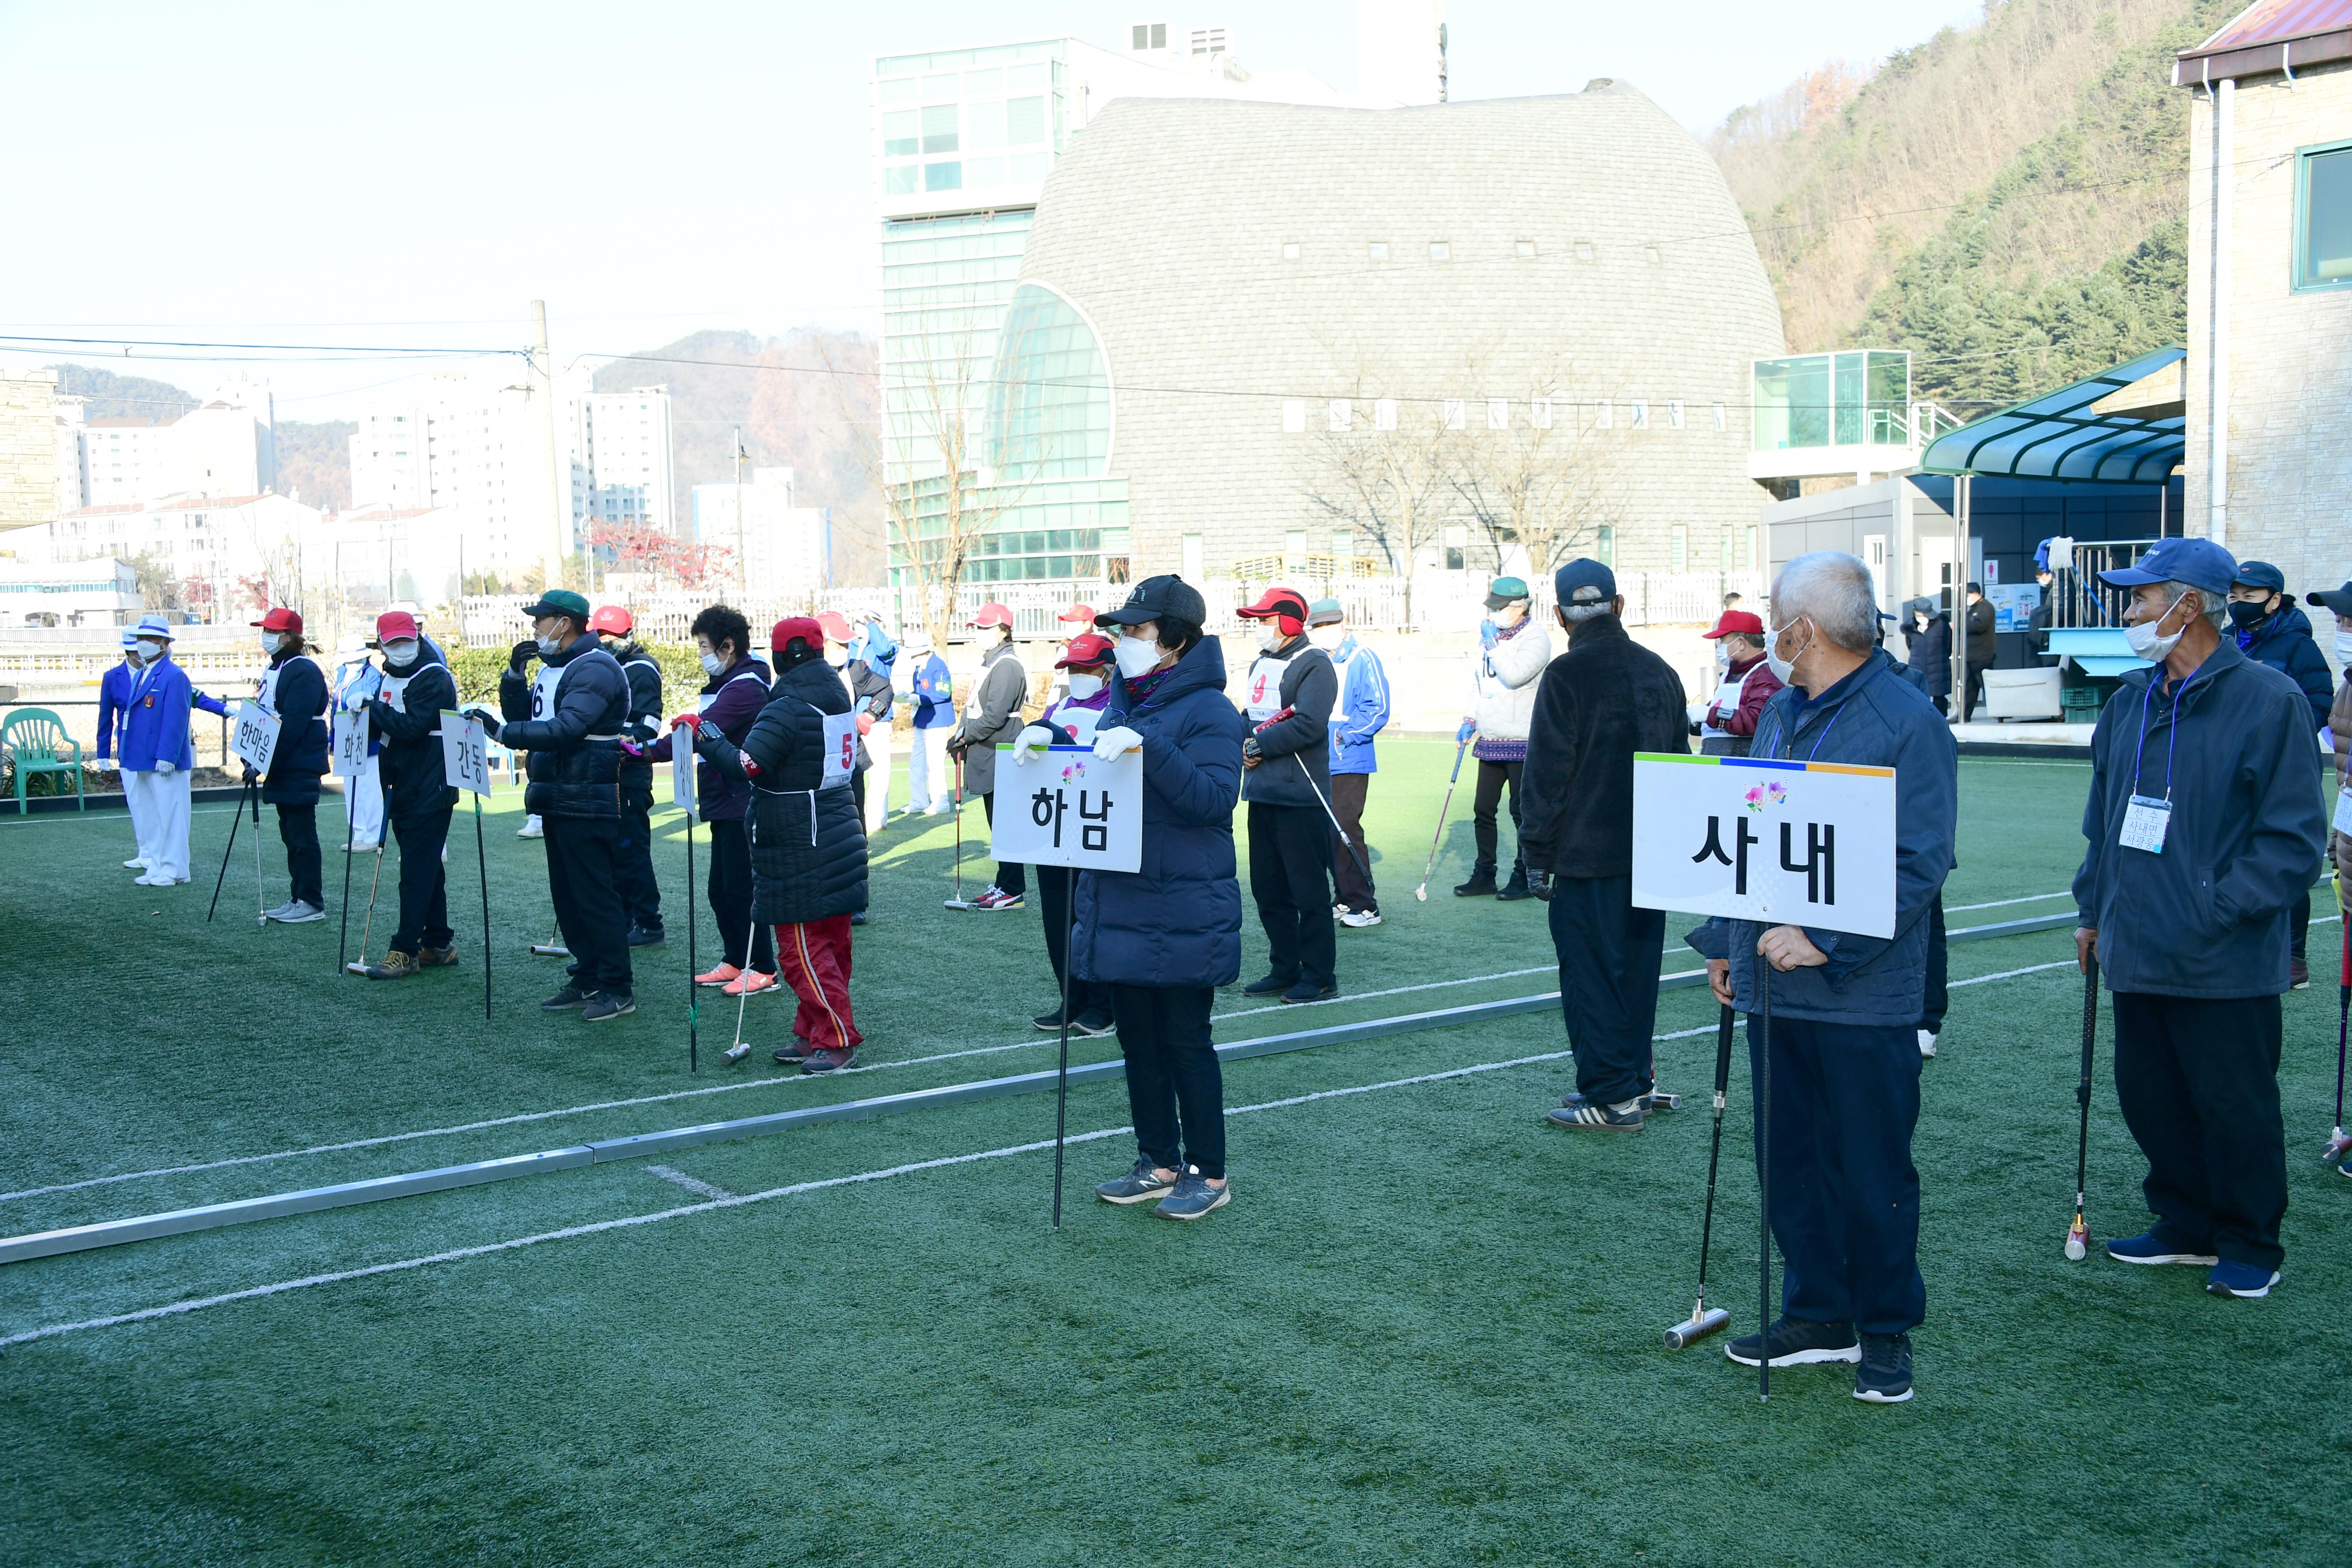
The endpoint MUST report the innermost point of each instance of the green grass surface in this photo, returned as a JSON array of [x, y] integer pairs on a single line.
[[1426, 1329]]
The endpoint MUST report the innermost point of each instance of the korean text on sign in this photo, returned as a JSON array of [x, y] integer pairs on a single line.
[[1785, 843], [255, 739], [1069, 807], [465, 753]]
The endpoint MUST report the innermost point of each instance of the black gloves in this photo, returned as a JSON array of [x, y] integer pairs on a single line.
[[522, 653], [1539, 883]]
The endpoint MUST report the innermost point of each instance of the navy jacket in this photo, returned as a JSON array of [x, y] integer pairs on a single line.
[[2208, 916], [1605, 699], [1876, 718], [1310, 686], [2283, 641], [1177, 920], [645, 720], [575, 751], [415, 782], [1930, 654], [301, 759], [808, 845]]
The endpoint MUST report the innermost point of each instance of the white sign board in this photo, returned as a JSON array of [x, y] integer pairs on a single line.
[[681, 771], [348, 756], [465, 753], [1786, 843], [1065, 806], [255, 737]]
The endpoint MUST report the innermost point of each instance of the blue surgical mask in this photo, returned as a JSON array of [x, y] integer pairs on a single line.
[[713, 665]]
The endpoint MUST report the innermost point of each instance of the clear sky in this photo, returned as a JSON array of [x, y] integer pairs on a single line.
[[415, 173]]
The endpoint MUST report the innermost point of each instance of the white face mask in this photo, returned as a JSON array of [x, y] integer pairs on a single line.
[[1137, 658], [1269, 636], [837, 657], [269, 641], [2146, 642], [1083, 685], [713, 665], [1328, 638], [2344, 647], [148, 652], [1783, 669], [400, 652]]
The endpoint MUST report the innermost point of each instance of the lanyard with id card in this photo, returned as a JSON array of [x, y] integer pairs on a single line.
[[2146, 817]]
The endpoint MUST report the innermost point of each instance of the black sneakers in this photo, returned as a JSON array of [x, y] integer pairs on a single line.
[[1516, 888], [1589, 1116], [1884, 1375], [1796, 1342], [1309, 991], [607, 1005], [1480, 885], [563, 1001], [1272, 986], [647, 936]]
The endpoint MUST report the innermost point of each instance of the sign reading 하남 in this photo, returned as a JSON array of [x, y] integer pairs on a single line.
[[1065, 806], [1786, 843]]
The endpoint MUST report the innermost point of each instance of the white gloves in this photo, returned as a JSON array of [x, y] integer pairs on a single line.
[[164, 767], [1111, 742], [1031, 742]]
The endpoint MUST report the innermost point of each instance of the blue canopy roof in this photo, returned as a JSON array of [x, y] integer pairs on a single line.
[[2057, 437]]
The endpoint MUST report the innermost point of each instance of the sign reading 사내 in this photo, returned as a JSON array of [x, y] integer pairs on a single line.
[[1069, 807], [1787, 843]]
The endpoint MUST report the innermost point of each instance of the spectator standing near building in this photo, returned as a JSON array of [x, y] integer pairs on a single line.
[[1289, 693], [114, 689], [615, 631], [294, 690], [1360, 713], [2204, 827], [1981, 649], [1602, 700], [1512, 653], [921, 678], [1928, 642], [2269, 629], [157, 757], [1730, 722], [992, 716]]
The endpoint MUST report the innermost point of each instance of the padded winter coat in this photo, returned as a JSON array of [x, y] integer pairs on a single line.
[[1177, 920], [574, 752], [2283, 641], [301, 759], [1004, 688], [645, 720], [1605, 699], [732, 700], [1503, 682], [1311, 688], [808, 847], [415, 781]]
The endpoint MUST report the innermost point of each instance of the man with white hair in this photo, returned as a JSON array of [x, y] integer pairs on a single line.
[[2205, 826], [1845, 1051]]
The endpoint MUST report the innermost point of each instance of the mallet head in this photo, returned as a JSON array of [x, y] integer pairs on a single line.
[[1702, 1322], [2078, 1241], [1421, 893]]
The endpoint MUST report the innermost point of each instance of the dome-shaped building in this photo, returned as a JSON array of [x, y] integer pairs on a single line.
[[1246, 328]]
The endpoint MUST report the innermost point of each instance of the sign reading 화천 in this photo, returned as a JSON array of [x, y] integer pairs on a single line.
[[255, 739], [465, 753], [1786, 843], [1068, 808], [681, 771], [348, 757]]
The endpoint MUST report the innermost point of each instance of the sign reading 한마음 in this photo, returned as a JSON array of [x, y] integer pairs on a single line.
[[255, 736], [1786, 843], [1068, 808]]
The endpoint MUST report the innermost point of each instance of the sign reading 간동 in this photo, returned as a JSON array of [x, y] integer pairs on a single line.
[[465, 753], [1786, 843], [255, 737], [349, 755], [1065, 806]]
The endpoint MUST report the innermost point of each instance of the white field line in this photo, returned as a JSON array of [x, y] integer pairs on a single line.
[[519, 1118], [571, 1233], [691, 1183]]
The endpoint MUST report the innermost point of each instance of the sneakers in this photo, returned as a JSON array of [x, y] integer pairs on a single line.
[[2149, 1247], [647, 936], [1193, 1197], [2243, 1280], [1093, 1023], [134, 864], [719, 977], [395, 965], [1587, 1116], [1481, 883], [1359, 920], [791, 1055], [1143, 1183], [1309, 991], [157, 879], [997, 899], [295, 912], [2298, 976], [1796, 1342], [563, 1001], [607, 1005], [1516, 888], [1271, 985], [1884, 1375], [1050, 1022], [829, 1060], [438, 957], [1927, 1044], [747, 982], [531, 827], [857, 917]]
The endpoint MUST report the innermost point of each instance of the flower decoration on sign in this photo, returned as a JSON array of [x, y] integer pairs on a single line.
[[1759, 796], [1076, 771]]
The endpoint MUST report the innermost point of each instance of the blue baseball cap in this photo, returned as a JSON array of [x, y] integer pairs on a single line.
[[2200, 562], [2260, 574], [1583, 581]]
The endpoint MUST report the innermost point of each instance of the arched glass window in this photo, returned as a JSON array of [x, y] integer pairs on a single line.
[[1049, 412]]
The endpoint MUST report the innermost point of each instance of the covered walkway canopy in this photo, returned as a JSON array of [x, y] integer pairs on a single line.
[[2122, 427]]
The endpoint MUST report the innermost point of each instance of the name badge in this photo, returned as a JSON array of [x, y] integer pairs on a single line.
[[2344, 811], [2145, 820]]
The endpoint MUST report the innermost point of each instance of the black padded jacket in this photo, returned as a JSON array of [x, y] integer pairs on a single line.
[[574, 752], [808, 847], [416, 784]]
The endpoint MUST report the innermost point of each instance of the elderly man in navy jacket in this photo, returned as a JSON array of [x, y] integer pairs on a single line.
[[1844, 1054], [2205, 826]]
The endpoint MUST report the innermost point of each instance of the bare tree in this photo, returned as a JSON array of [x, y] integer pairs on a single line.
[[1390, 476], [1549, 482]]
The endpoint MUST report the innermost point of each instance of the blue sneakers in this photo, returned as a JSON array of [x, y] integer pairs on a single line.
[[1141, 1182], [2149, 1247], [2243, 1280], [1884, 1375], [1194, 1196]]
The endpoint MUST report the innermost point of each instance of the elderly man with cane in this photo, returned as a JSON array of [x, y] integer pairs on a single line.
[[1837, 1046], [1605, 699], [2205, 826]]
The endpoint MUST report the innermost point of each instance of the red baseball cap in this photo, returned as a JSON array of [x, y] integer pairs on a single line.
[[611, 618], [1087, 650], [992, 614], [394, 624], [1286, 606], [1081, 612], [803, 628], [1738, 623], [835, 625], [280, 621]]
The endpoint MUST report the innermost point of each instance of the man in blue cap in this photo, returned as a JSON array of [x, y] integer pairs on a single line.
[[2270, 630], [2205, 826]]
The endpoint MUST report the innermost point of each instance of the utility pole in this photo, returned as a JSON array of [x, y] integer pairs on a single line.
[[557, 480], [739, 568]]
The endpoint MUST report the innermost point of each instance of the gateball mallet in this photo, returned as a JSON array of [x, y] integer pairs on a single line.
[[958, 902], [1764, 1171], [226, 855], [1460, 751], [2339, 1145], [358, 964], [1704, 1320], [2078, 1234], [260, 911]]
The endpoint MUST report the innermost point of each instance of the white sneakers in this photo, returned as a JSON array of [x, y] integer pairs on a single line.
[[134, 864], [531, 827], [1357, 920], [154, 880], [1927, 1043]]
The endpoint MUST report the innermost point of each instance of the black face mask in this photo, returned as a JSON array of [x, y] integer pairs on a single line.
[[2245, 615]]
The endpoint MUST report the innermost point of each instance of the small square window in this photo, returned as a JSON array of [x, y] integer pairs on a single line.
[[1290, 250], [1605, 417], [1673, 416], [1584, 250], [1540, 413], [1439, 251], [1527, 250], [1458, 414], [1498, 414], [1384, 413], [1342, 415], [1294, 416], [1380, 250], [1640, 414]]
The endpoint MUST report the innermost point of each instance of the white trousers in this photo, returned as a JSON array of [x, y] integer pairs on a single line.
[[159, 816], [364, 807], [133, 799], [877, 777], [930, 785]]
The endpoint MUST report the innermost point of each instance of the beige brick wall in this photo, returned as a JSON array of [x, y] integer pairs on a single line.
[[2290, 486], [29, 447]]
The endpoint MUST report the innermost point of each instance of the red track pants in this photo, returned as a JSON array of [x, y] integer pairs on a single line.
[[812, 958]]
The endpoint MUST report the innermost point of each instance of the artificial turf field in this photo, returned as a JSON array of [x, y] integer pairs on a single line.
[[1425, 1330]]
